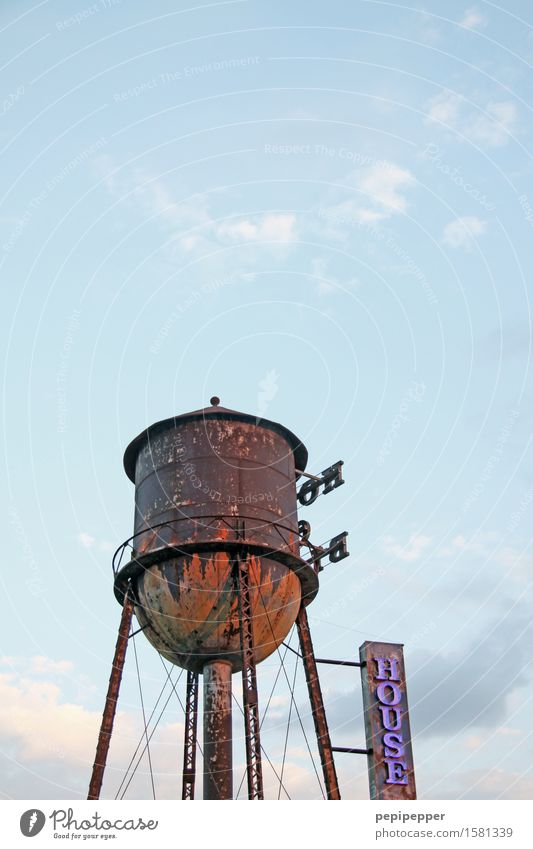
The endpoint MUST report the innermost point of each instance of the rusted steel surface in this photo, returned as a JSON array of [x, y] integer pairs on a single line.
[[215, 411], [189, 744], [218, 758], [388, 734], [192, 606], [254, 769], [203, 471], [209, 486], [129, 572], [317, 706], [213, 480], [108, 716]]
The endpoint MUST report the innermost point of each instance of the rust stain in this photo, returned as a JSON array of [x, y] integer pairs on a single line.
[[193, 606], [205, 482]]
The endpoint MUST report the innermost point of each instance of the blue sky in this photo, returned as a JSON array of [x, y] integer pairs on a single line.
[[321, 213]]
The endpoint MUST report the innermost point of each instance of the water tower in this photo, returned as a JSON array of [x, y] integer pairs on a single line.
[[216, 576]]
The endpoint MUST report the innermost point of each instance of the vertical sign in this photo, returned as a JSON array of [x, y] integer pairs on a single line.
[[388, 735]]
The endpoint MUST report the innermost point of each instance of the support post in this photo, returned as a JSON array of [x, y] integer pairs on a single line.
[[108, 716], [317, 706], [254, 769], [189, 746], [218, 767]]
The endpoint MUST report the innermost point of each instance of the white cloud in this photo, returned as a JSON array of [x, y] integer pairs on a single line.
[[516, 563], [495, 128], [476, 546], [379, 194], [385, 184], [238, 230], [191, 219], [462, 232], [152, 196], [444, 108], [473, 18], [86, 539], [48, 735], [494, 783], [348, 213], [272, 227], [477, 741], [299, 782], [41, 665], [41, 725], [484, 783], [473, 742], [491, 125], [52, 743], [454, 690], [505, 731], [267, 391], [325, 283], [159, 201], [411, 551], [37, 665]]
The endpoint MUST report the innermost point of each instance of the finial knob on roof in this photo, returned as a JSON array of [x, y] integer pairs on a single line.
[[214, 401]]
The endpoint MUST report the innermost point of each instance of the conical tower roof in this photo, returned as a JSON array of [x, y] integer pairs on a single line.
[[214, 411]]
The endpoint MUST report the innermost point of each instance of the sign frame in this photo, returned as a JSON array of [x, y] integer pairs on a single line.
[[388, 733]]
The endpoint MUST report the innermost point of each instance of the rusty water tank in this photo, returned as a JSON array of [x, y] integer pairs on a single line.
[[210, 486]]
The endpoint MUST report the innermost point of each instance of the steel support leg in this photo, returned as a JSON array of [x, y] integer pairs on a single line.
[[317, 706], [189, 746], [218, 772], [110, 708], [249, 684]]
